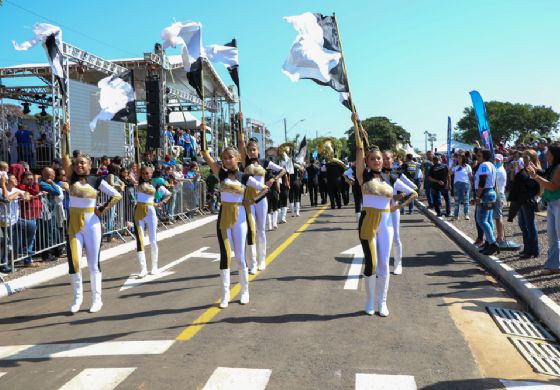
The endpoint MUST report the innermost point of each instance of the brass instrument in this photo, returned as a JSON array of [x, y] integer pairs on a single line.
[[286, 147], [326, 149]]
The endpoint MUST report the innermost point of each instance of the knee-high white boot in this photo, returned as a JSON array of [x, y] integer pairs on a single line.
[[224, 275], [155, 253], [142, 262], [275, 219], [358, 217], [244, 281], [297, 208], [397, 255], [252, 259], [96, 303], [261, 257], [293, 207], [382, 288], [269, 220], [77, 290], [370, 295], [284, 213]]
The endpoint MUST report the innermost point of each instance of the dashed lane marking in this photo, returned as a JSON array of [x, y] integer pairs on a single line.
[[190, 331], [384, 382], [353, 279], [98, 378], [107, 348], [225, 378]]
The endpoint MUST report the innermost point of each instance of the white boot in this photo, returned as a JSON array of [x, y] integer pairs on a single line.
[[370, 295], [78, 290], [253, 259], [142, 261], [397, 255], [358, 215], [224, 275], [244, 281], [297, 208], [261, 255], [275, 219], [96, 303], [155, 253], [382, 285], [269, 220], [284, 212], [293, 207]]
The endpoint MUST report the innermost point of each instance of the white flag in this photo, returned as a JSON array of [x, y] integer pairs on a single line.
[[226, 55], [114, 95], [52, 45], [188, 36]]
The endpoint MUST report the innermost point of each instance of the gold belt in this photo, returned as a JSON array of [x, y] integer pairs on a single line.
[[141, 210], [228, 214], [371, 221], [77, 219]]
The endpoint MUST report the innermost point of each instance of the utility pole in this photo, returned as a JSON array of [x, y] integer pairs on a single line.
[[285, 131]]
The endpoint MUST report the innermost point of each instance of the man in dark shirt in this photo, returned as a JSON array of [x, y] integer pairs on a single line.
[[439, 179], [313, 182], [410, 168]]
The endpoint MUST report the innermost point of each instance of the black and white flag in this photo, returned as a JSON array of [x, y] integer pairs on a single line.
[[316, 53], [188, 36], [228, 55], [302, 153], [117, 99], [194, 77], [51, 38]]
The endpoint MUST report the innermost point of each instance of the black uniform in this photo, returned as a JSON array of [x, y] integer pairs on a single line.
[[295, 185], [334, 183], [313, 182], [323, 183]]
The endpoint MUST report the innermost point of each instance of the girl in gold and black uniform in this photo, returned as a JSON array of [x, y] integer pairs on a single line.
[[84, 227], [232, 218], [375, 225]]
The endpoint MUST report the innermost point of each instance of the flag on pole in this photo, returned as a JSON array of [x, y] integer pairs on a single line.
[[316, 53], [194, 77], [482, 119], [187, 36], [228, 55], [116, 99], [448, 141], [51, 38], [302, 153]]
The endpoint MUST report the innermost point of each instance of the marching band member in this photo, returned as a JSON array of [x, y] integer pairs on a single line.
[[401, 185], [261, 171], [145, 215], [84, 227], [295, 189], [375, 223], [232, 218], [273, 197], [350, 178]]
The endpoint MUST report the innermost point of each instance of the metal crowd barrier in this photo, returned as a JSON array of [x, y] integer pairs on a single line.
[[38, 226]]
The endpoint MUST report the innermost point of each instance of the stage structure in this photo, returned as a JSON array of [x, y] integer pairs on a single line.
[[84, 67]]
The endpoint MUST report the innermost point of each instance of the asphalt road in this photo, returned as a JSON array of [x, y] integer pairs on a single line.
[[301, 330]]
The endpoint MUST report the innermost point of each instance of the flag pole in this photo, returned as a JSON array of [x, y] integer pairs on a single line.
[[359, 143]]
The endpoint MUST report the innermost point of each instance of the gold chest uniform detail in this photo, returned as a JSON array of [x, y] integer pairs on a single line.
[[79, 191], [374, 187], [147, 189], [255, 170], [233, 187]]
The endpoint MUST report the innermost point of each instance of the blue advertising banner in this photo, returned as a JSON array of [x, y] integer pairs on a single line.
[[482, 119]]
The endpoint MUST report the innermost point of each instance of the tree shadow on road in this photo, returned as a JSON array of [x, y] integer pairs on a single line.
[[290, 318]]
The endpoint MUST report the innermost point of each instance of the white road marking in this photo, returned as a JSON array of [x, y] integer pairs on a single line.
[[134, 281], [353, 279], [384, 382], [519, 385], [40, 277], [2, 374], [98, 378], [224, 378], [108, 348]]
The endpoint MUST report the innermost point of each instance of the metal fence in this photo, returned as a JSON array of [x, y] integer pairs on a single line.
[[37, 227]]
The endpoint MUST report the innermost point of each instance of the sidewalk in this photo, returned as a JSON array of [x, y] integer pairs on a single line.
[[524, 277]]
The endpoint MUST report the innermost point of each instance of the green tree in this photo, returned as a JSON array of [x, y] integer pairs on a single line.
[[381, 132], [518, 123]]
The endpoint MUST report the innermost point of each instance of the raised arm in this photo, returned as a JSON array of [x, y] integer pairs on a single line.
[[360, 154], [204, 151], [241, 138], [66, 161], [551, 185]]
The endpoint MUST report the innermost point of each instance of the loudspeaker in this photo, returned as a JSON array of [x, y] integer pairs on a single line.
[[153, 113]]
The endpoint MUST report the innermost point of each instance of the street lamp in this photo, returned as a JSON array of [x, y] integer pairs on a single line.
[[286, 131]]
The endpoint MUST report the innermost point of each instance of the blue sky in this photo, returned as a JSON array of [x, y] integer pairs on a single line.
[[412, 61]]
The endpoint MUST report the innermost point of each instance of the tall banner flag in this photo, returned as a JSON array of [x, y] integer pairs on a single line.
[[51, 38], [482, 119], [316, 54], [117, 99], [302, 153], [229, 56], [448, 141], [195, 77]]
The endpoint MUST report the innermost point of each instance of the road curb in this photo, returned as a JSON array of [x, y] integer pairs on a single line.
[[17, 285], [545, 308]]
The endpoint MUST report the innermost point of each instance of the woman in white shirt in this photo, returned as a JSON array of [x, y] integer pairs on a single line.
[[484, 182], [462, 178]]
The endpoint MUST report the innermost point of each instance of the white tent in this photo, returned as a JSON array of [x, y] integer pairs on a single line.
[[455, 145], [176, 119], [410, 150]]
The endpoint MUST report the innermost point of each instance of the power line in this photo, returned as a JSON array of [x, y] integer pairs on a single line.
[[68, 28]]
